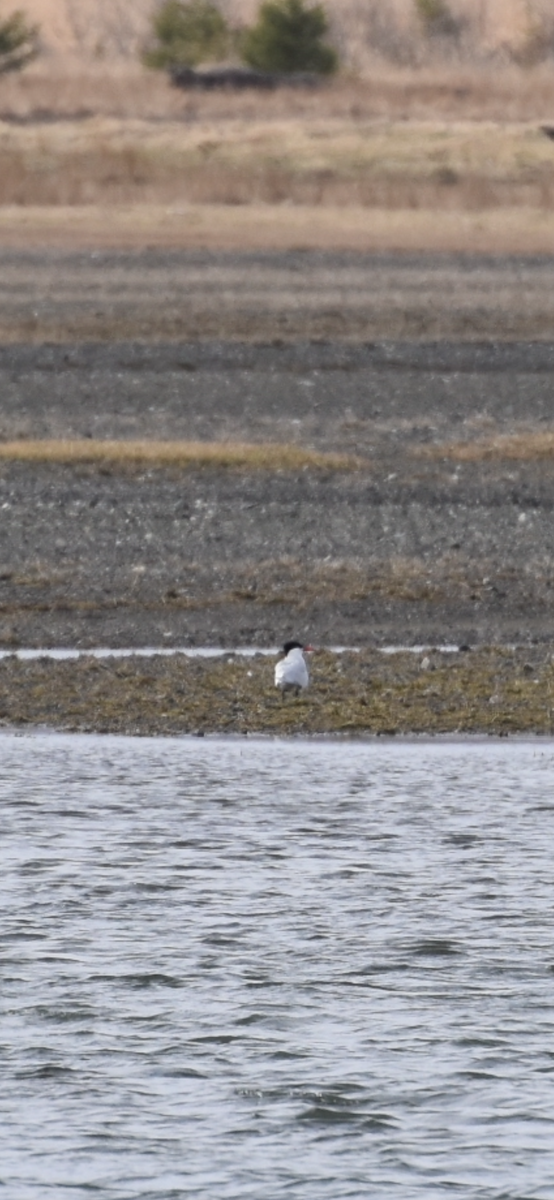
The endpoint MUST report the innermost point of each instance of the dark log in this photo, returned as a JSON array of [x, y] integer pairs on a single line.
[[238, 79]]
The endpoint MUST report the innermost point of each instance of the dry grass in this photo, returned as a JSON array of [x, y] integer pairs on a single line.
[[267, 457], [434, 165], [301, 585], [517, 447], [439, 158], [265, 227], [364, 30]]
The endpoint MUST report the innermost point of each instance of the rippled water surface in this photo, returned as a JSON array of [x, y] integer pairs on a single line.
[[237, 969]]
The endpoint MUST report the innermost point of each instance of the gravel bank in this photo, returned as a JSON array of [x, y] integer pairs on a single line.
[[408, 550], [191, 295]]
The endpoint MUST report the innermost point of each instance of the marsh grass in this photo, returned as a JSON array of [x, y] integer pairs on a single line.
[[178, 454], [517, 447]]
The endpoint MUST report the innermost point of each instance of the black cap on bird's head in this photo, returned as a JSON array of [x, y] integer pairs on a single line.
[[295, 646], [292, 646]]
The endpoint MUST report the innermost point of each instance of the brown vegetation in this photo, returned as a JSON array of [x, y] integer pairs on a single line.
[[300, 160], [528, 446], [273, 457], [439, 157]]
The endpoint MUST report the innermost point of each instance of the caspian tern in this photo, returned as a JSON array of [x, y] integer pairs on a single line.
[[291, 672]]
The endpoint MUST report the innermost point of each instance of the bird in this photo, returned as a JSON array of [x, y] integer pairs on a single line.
[[291, 672], [548, 130]]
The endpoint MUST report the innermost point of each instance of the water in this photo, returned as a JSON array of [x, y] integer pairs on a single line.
[[63, 653], [265, 969]]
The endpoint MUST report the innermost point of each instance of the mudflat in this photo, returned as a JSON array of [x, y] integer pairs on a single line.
[[441, 533]]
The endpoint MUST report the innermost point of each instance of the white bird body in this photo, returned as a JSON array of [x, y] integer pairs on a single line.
[[291, 672]]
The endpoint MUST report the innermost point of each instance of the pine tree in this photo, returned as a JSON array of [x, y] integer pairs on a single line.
[[18, 42], [187, 34], [289, 37]]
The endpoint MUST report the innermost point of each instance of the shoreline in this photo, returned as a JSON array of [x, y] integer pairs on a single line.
[[369, 739]]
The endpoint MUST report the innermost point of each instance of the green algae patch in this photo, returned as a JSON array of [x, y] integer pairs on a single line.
[[488, 691]]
